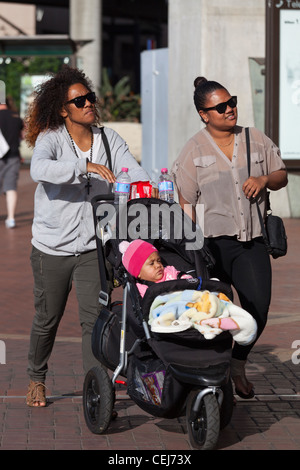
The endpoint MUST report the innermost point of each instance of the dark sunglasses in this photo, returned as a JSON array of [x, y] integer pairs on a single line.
[[221, 107], [79, 101]]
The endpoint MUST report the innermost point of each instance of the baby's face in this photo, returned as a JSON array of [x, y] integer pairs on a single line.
[[152, 270]]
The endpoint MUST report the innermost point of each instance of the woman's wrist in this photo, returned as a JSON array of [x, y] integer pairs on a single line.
[[265, 179]]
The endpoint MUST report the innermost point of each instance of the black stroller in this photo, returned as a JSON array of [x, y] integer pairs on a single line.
[[166, 374]]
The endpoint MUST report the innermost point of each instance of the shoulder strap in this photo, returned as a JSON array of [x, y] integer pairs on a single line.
[[107, 149], [263, 229], [104, 295], [248, 148]]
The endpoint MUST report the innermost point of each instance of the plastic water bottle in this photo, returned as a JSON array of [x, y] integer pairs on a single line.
[[122, 187], [165, 186]]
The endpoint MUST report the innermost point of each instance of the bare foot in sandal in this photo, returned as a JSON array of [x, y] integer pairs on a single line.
[[36, 395]]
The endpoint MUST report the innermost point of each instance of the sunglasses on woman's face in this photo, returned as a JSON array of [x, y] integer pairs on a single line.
[[79, 101], [221, 107]]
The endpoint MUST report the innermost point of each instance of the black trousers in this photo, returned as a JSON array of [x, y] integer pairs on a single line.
[[247, 267]]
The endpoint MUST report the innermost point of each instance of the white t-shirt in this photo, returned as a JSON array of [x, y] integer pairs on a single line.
[[97, 139]]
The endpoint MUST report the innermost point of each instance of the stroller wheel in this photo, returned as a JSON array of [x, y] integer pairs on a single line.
[[203, 424], [98, 400]]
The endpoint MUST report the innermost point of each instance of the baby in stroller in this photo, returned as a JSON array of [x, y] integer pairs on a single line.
[[142, 261], [166, 372], [210, 312]]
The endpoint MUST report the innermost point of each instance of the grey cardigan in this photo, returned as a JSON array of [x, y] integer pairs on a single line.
[[63, 220]]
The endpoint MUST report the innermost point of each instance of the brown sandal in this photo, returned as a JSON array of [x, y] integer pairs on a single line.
[[36, 395]]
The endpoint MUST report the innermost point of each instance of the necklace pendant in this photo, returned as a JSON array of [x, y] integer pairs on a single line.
[[88, 185]]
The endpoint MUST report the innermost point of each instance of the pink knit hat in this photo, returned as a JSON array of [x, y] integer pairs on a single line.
[[135, 255]]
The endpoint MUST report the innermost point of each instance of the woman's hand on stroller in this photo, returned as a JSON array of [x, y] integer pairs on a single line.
[[101, 170], [154, 192]]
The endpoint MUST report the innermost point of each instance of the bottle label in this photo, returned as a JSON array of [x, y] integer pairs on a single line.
[[122, 187], [165, 186]]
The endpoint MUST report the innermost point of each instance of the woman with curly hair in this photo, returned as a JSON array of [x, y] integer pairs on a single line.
[[69, 163]]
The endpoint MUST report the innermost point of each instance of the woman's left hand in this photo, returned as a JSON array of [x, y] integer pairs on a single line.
[[254, 185], [101, 170], [154, 192]]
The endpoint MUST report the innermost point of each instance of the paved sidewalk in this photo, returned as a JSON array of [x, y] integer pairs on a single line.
[[271, 421]]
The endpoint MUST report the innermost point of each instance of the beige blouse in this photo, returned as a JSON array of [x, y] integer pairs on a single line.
[[204, 175]]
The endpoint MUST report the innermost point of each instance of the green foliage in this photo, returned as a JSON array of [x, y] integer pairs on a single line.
[[11, 73], [118, 103]]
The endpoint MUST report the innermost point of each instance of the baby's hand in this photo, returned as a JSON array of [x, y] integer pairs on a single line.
[[213, 322], [222, 323]]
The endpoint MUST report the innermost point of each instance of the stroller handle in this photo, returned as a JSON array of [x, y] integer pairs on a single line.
[[102, 197]]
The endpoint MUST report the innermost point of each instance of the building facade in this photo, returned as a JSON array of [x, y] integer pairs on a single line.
[[223, 40]]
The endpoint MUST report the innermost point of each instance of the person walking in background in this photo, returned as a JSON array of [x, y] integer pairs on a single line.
[[11, 126], [70, 165], [212, 170]]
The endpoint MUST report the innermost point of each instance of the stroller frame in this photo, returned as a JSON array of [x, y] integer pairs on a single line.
[[209, 403], [122, 366]]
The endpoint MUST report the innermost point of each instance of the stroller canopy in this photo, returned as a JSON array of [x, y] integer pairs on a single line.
[[178, 239]]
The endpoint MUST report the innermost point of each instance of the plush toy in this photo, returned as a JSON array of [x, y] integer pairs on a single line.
[[208, 305], [228, 317]]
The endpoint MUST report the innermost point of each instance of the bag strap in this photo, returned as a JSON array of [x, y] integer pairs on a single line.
[[107, 149], [104, 295], [248, 149], [263, 229]]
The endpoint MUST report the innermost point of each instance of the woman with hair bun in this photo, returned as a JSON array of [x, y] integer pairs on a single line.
[[212, 170]]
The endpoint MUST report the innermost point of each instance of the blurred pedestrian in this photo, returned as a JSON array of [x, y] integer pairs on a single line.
[[11, 126]]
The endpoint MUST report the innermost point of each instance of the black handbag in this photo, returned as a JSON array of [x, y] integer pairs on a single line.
[[272, 229]]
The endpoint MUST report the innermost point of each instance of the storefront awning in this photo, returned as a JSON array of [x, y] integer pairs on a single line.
[[39, 45]]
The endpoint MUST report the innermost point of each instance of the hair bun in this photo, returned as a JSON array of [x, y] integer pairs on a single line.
[[199, 81], [123, 246]]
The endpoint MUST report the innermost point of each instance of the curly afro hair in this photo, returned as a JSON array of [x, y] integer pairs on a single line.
[[49, 97]]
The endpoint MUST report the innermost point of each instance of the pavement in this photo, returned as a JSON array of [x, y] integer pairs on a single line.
[[270, 421]]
